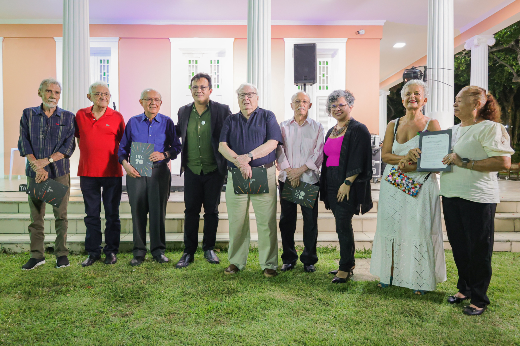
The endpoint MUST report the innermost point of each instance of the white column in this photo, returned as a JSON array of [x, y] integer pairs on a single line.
[[76, 62], [479, 46], [259, 49], [76, 54], [440, 62], [2, 129], [383, 116]]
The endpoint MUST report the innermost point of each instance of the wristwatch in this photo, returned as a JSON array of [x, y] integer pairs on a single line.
[[50, 159], [348, 182], [250, 155], [465, 163], [166, 154]]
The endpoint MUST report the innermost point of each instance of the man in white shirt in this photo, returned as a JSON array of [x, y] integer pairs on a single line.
[[299, 160]]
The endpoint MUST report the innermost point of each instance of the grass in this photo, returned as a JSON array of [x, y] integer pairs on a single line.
[[158, 305]]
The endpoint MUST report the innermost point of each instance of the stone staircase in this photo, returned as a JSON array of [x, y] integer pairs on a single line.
[[14, 219]]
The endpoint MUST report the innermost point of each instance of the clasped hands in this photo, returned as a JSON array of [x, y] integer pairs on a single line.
[[38, 167], [242, 163], [294, 174], [409, 159]]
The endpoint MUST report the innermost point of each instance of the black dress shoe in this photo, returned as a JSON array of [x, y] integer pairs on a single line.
[[338, 280], [456, 300], [470, 311], [333, 272], [185, 261], [161, 258], [111, 258], [288, 266], [137, 261], [211, 257], [90, 260], [309, 268]]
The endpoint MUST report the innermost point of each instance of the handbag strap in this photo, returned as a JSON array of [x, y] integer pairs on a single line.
[[396, 125]]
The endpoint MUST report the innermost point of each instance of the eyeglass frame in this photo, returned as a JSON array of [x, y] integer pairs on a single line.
[[250, 95]]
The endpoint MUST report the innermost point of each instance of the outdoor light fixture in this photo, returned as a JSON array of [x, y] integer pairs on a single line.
[[399, 45], [414, 73], [360, 32]]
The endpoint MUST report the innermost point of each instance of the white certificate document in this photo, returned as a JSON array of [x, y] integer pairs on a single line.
[[434, 147]]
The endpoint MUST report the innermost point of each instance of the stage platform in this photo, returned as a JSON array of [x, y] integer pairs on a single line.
[[14, 219]]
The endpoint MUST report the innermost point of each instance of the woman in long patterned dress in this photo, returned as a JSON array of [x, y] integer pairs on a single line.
[[408, 248]]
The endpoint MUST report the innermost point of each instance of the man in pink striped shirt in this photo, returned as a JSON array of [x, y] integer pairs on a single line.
[[299, 160]]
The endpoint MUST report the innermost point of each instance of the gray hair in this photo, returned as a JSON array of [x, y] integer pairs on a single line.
[[95, 85], [148, 90], [48, 81], [296, 95], [249, 85], [336, 94], [414, 82]]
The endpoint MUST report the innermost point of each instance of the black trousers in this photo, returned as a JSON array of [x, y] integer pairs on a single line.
[[471, 228], [199, 190], [149, 195], [288, 227], [94, 190], [343, 213]]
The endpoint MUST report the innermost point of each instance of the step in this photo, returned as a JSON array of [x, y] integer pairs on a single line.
[[18, 223], [504, 242]]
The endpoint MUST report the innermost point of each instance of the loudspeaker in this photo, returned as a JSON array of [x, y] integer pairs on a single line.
[[305, 63]]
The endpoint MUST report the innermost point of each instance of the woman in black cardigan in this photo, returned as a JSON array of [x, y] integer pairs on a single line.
[[345, 176]]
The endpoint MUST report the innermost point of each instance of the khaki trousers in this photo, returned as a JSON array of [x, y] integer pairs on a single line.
[[36, 227], [239, 235]]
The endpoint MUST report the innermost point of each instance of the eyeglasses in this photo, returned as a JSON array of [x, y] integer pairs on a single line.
[[304, 102], [201, 88], [244, 95], [101, 94], [341, 105], [152, 100]]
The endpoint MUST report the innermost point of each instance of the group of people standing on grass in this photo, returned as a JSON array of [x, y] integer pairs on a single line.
[[213, 143]]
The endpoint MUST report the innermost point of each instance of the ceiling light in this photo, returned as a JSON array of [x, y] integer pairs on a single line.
[[399, 45]]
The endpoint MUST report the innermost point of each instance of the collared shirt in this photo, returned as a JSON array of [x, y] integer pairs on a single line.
[[43, 136], [243, 135], [160, 131], [198, 139], [99, 142], [302, 145]]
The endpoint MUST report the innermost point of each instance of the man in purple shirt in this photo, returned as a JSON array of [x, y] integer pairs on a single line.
[[249, 139], [47, 141], [149, 195], [299, 160]]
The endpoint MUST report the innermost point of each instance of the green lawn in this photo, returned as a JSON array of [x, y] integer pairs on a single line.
[[158, 305]]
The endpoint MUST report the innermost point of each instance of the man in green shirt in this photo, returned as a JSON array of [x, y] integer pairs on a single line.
[[204, 168]]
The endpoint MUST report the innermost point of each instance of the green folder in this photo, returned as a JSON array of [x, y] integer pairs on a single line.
[[304, 194], [256, 185], [140, 158]]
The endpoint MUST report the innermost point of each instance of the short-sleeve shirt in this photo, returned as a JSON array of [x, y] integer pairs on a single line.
[[43, 136], [99, 142], [476, 142], [243, 135]]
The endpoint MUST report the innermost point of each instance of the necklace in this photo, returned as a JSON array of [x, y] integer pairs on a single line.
[[336, 132]]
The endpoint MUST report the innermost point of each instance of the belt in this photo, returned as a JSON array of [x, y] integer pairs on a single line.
[[267, 165]]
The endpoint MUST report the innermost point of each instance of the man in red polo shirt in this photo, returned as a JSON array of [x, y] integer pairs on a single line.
[[99, 130]]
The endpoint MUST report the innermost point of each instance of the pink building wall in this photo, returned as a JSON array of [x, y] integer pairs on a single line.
[[144, 61]]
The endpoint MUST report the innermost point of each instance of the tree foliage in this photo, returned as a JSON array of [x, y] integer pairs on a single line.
[[504, 80]]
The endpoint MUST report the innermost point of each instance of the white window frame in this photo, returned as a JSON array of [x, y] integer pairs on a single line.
[[334, 49], [113, 44], [2, 128], [217, 47]]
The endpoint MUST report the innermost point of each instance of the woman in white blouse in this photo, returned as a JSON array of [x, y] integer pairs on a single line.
[[470, 192]]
